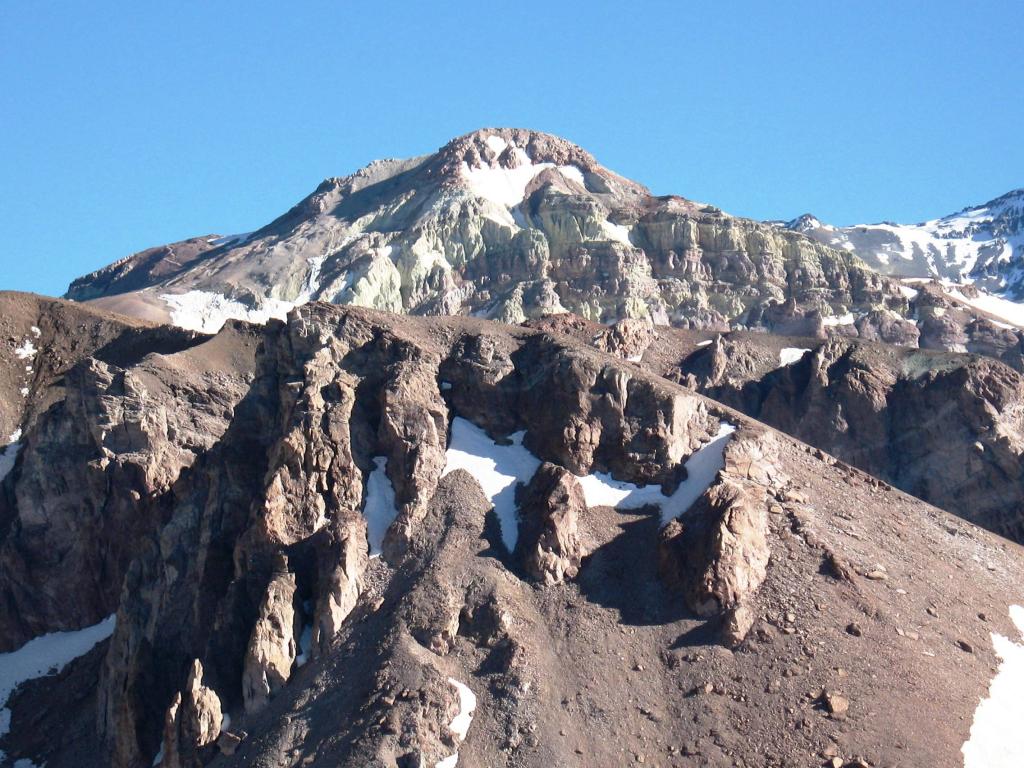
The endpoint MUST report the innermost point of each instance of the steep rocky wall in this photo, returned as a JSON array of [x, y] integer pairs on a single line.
[[946, 428], [245, 561]]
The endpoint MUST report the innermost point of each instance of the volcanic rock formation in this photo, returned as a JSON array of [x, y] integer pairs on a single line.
[[696, 604]]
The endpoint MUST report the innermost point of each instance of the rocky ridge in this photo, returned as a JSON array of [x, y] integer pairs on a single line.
[[256, 627], [503, 223], [945, 427]]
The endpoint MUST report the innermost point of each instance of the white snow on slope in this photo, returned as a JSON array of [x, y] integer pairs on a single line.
[[790, 355], [45, 655], [305, 647], [8, 454], [467, 708], [460, 724], [984, 237], [1004, 309], [997, 739], [232, 240], [26, 351], [833, 320], [496, 467], [601, 489], [206, 312], [507, 186], [380, 511], [616, 232], [908, 293]]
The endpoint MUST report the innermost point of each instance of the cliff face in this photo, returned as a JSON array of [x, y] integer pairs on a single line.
[[502, 223], [386, 540], [945, 427]]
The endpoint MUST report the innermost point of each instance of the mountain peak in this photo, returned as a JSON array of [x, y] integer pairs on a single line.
[[804, 223], [505, 223]]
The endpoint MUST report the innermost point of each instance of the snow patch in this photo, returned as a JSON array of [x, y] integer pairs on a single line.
[[45, 655], [497, 144], [572, 173], [36, 332], [834, 320], [26, 351], [618, 233], [467, 708], [507, 186], [232, 240], [305, 646], [790, 355], [380, 510], [601, 489], [206, 312], [704, 343], [909, 293], [996, 739], [496, 467], [8, 455], [460, 725], [1008, 311], [504, 186]]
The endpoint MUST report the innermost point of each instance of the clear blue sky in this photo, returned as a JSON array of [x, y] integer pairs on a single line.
[[126, 125]]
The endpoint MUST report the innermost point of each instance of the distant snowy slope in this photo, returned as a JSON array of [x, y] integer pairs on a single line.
[[982, 244]]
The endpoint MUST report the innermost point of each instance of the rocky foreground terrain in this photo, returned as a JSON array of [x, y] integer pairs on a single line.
[[365, 539]]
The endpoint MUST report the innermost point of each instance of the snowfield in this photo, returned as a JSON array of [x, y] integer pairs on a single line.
[[45, 655], [997, 735], [601, 489], [790, 355], [496, 467], [982, 243], [507, 186], [206, 312], [1008, 311], [380, 510]]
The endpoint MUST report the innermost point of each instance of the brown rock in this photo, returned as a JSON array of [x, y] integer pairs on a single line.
[[720, 555], [192, 722], [273, 643], [550, 508], [342, 558]]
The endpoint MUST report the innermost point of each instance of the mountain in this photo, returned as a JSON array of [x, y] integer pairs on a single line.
[[982, 245], [355, 538], [490, 457], [501, 223]]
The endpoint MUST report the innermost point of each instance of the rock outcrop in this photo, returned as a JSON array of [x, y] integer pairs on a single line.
[[274, 642], [550, 508], [946, 428], [192, 724], [717, 554]]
